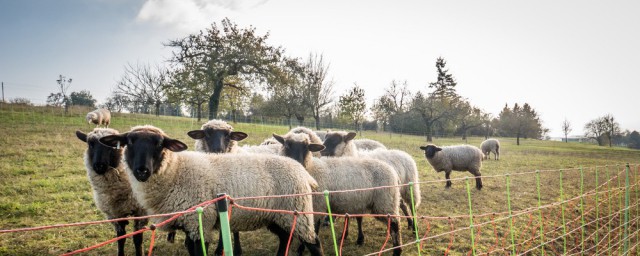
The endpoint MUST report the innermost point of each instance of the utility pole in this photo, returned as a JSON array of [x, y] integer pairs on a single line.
[[2, 92]]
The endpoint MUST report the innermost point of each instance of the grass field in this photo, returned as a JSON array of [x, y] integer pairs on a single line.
[[43, 182]]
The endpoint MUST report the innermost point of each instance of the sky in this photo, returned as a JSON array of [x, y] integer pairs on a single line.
[[570, 59]]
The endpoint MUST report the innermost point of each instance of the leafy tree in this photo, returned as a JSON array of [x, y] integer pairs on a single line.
[[236, 99], [144, 84], [116, 102], [82, 98], [392, 102], [520, 122], [286, 89], [566, 129], [318, 91], [439, 106], [353, 105], [634, 140], [190, 88], [21, 101], [61, 98], [225, 50], [469, 117]]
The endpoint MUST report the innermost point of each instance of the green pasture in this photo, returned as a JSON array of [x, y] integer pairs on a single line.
[[43, 182]]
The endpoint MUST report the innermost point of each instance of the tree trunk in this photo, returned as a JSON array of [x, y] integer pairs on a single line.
[[289, 121], [518, 139], [566, 139], [199, 112], [233, 115], [429, 138], [157, 105], [214, 100], [317, 118]]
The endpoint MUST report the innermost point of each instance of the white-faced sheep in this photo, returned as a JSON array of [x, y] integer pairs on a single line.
[[457, 158], [111, 190], [490, 146], [165, 180], [99, 117], [368, 144], [347, 173], [340, 143]]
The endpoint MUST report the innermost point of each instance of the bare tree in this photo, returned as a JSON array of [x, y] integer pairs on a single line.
[[566, 129], [392, 102], [145, 84], [61, 98], [318, 90], [611, 127], [286, 90], [595, 129]]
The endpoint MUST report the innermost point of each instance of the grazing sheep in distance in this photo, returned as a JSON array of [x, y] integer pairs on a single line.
[[489, 146], [111, 191], [340, 143], [166, 180], [335, 174], [368, 144], [457, 158], [100, 116]]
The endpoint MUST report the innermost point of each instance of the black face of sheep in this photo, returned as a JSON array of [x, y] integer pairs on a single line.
[[333, 141], [101, 157], [217, 141], [430, 150], [144, 150], [298, 150]]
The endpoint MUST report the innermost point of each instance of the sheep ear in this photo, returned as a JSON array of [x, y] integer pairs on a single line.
[[423, 147], [196, 134], [349, 136], [438, 149], [315, 147], [173, 145], [114, 140], [82, 136], [278, 138], [238, 136]]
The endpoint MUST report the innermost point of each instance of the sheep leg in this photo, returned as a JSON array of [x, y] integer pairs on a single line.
[[237, 248], [447, 175], [171, 237], [360, 240], [194, 246], [316, 248], [120, 231], [478, 179], [316, 226], [283, 236], [395, 237], [137, 238], [219, 249], [405, 211]]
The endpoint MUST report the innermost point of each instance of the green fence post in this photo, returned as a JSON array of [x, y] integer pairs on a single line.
[[473, 244], [415, 218], [620, 209], [564, 223], [333, 231], [200, 210], [606, 168], [513, 240], [223, 214], [626, 211], [540, 213]]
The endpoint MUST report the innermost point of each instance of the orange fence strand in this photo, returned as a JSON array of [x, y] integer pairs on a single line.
[[388, 234]]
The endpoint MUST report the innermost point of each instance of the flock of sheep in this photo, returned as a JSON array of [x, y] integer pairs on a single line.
[[144, 171]]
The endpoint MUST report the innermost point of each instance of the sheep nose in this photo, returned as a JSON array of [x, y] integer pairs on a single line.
[[143, 170], [99, 166]]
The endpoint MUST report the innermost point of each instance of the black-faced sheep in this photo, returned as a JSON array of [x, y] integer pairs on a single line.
[[340, 143], [490, 146], [457, 158], [111, 190], [347, 173], [216, 136], [99, 117], [165, 180]]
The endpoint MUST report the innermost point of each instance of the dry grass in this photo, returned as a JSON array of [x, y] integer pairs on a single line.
[[43, 182]]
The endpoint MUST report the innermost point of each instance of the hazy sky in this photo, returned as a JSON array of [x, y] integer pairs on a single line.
[[573, 59]]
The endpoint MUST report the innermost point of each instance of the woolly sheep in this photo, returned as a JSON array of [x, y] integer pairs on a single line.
[[111, 190], [166, 180], [340, 143], [490, 146], [456, 158], [269, 141], [216, 136], [335, 174], [100, 116], [367, 144]]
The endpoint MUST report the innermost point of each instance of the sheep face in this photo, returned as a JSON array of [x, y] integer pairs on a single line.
[[216, 140], [336, 142], [430, 150], [145, 150], [298, 147], [101, 157]]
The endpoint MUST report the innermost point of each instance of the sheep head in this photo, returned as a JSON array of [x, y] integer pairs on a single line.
[[217, 136], [430, 150], [336, 142], [298, 147], [100, 157]]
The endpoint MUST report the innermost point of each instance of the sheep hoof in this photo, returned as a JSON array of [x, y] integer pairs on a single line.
[[360, 241]]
